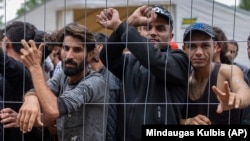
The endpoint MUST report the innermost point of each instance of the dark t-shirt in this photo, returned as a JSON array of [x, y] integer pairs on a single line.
[[1, 105], [208, 102], [15, 80]]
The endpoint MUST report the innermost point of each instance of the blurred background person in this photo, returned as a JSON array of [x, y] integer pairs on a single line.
[[248, 47]]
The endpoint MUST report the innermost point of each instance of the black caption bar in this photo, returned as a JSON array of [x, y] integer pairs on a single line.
[[184, 132]]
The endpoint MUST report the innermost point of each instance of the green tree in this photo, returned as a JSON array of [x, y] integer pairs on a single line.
[[245, 4], [1, 16], [28, 5]]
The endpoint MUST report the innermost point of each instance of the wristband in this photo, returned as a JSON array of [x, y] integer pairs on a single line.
[[187, 121]]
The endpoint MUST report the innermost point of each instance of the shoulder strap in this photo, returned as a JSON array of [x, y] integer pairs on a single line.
[[212, 81]]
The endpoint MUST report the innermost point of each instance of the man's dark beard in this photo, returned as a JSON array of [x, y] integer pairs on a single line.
[[73, 71]]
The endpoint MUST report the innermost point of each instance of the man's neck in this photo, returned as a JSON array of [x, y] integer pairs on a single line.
[[14, 55], [216, 58], [78, 77], [203, 73], [96, 66]]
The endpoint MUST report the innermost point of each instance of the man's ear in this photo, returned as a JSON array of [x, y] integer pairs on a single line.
[[93, 56], [99, 47], [183, 47], [7, 44], [171, 36], [218, 46]]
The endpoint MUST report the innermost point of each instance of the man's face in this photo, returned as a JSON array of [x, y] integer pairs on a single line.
[[248, 49], [158, 32], [231, 52], [55, 54], [74, 56], [7, 47], [199, 49]]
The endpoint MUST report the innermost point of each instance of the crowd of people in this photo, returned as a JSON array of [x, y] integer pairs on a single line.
[[73, 84]]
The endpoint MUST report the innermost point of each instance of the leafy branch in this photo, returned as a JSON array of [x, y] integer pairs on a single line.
[[245, 4], [28, 5]]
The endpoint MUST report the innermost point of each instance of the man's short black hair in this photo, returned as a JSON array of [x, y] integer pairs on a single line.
[[78, 31], [18, 30], [40, 38], [1, 34], [100, 37]]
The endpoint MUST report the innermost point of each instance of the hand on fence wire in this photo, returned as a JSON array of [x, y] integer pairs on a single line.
[[29, 114], [142, 16], [109, 18], [8, 118]]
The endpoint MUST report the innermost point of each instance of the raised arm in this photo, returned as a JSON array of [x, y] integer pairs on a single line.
[[232, 91], [112, 55], [31, 57], [173, 64], [29, 113]]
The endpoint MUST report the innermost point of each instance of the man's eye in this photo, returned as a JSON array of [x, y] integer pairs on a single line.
[[146, 28], [192, 47], [66, 48]]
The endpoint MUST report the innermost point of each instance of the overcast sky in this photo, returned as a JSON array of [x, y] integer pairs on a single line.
[[229, 2], [13, 5]]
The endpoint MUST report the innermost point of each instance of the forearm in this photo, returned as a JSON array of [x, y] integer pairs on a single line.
[[137, 45], [47, 100], [30, 97], [245, 96], [112, 55], [130, 21], [172, 64], [113, 51]]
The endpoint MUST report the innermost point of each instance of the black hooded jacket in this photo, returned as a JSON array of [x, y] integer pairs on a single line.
[[154, 81], [15, 80]]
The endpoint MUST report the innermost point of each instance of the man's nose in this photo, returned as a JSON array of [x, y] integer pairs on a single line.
[[153, 32], [69, 54], [199, 50]]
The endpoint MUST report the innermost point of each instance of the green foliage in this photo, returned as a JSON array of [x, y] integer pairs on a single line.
[[245, 4], [28, 5], [1, 16], [1, 19]]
